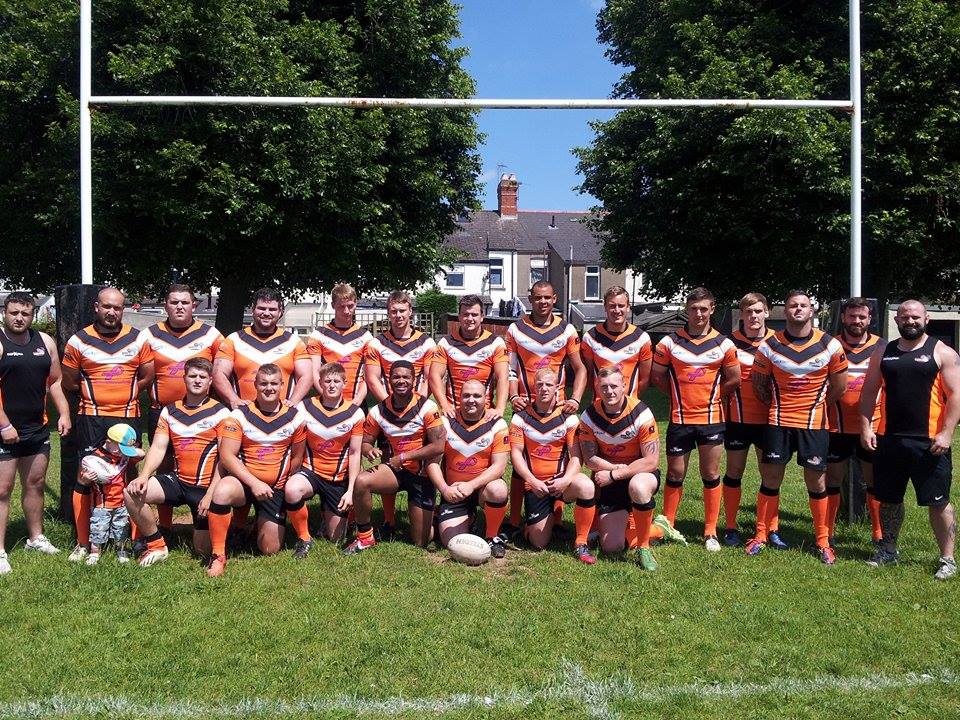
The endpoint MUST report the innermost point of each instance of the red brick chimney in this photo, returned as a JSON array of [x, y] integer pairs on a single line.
[[507, 190]]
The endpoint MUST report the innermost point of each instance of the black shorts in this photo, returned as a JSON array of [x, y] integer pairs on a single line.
[[681, 439], [270, 510], [91, 431], [536, 509], [177, 492], [740, 436], [615, 497], [330, 493], [843, 446], [464, 508], [37, 443], [420, 491], [899, 459], [780, 443]]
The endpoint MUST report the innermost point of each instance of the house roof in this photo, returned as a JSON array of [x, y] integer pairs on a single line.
[[530, 233]]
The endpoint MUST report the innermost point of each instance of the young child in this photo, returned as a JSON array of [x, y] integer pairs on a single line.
[[108, 516]]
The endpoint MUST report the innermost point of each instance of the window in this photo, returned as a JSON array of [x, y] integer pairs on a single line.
[[592, 283], [538, 270], [454, 278], [496, 272]]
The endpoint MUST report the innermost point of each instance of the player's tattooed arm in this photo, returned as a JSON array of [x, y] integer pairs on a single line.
[[761, 387], [436, 437]]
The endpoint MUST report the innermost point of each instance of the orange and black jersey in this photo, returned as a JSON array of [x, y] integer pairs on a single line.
[[266, 441], [694, 370], [108, 367], [743, 405], [800, 370], [844, 415], [532, 348], [248, 351], [626, 351], [194, 434], [469, 360], [329, 432], [109, 493], [620, 438], [385, 349], [171, 349], [347, 347], [544, 439], [405, 429], [469, 449]]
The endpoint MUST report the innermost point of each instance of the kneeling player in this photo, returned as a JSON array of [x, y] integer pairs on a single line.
[[474, 460], [334, 435], [261, 444], [415, 432], [192, 428], [546, 458], [621, 445]]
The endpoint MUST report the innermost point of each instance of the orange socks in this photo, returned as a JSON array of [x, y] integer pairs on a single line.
[[165, 516], [219, 520], [711, 506], [833, 506], [389, 503], [873, 507], [557, 512], [155, 541], [584, 513], [768, 505], [819, 509], [299, 517], [81, 513], [731, 500], [642, 516], [493, 514], [516, 500], [631, 532], [672, 493]]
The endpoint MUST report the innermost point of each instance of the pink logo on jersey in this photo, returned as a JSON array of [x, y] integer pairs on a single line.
[[175, 369], [466, 464], [325, 444], [541, 364], [263, 451], [542, 451], [696, 374], [798, 383], [614, 449], [469, 372], [112, 372], [344, 360], [184, 443], [856, 382]]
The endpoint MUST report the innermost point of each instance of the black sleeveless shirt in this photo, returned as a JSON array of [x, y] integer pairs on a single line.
[[912, 404], [23, 382]]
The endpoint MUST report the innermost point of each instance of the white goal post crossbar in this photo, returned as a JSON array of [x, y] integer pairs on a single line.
[[88, 100]]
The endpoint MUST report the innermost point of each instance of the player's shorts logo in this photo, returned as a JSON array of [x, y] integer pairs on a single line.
[[815, 460]]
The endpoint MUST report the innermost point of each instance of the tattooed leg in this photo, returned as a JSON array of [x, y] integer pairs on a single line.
[[943, 520], [891, 518]]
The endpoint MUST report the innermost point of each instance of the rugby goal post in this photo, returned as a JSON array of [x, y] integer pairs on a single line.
[[87, 100]]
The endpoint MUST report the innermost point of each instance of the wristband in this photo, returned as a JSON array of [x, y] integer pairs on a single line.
[[514, 397], [6, 427], [401, 457]]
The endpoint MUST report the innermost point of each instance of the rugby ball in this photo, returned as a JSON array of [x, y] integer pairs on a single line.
[[102, 470], [469, 549]]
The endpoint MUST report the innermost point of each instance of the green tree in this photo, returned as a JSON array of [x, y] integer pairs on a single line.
[[227, 196], [760, 199]]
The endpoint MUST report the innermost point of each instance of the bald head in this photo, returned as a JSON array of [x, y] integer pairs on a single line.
[[108, 310], [473, 400], [911, 306]]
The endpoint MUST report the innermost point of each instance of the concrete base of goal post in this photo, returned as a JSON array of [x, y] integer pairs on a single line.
[[74, 305]]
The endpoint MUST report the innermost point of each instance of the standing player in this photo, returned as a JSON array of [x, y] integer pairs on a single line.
[[401, 342], [190, 429], [470, 353], [334, 428], [858, 344], [109, 363], [414, 429], [261, 445], [342, 341], [537, 341], [546, 458], [617, 343], [29, 365], [746, 416], [621, 445], [471, 472], [798, 372], [174, 341], [242, 353], [697, 368], [920, 378]]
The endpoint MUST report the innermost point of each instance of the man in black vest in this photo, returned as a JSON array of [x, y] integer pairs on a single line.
[[920, 376], [29, 364]]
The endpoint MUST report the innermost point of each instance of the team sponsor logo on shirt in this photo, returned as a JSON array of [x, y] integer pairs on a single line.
[[175, 369], [922, 358], [112, 372], [467, 463], [14, 353], [39, 352], [696, 374]]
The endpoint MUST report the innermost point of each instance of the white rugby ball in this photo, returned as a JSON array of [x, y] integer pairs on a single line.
[[102, 469], [469, 549]]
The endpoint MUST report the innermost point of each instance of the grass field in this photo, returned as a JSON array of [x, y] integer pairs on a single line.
[[401, 632]]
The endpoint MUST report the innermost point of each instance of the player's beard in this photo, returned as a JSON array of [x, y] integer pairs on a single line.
[[912, 332], [854, 331]]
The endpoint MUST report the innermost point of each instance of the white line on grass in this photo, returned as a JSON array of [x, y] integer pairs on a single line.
[[570, 685]]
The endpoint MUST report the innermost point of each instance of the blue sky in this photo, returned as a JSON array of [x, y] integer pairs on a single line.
[[536, 49]]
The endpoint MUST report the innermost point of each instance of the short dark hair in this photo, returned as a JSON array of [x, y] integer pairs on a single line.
[[268, 369], [542, 285], [399, 297], [855, 302], [267, 295], [198, 363], [700, 293], [332, 368], [178, 288], [795, 293], [402, 365], [19, 298], [468, 301]]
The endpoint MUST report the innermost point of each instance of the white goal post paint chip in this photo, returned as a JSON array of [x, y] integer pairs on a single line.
[[571, 684]]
